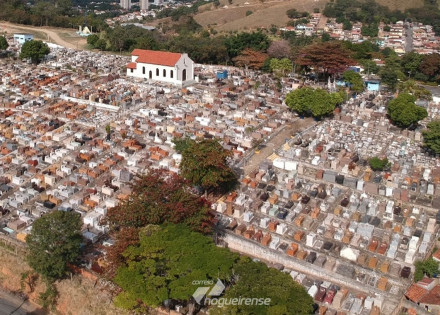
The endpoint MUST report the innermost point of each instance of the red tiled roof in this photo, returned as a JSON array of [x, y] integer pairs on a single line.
[[154, 57], [436, 255], [131, 65], [415, 293], [433, 297]]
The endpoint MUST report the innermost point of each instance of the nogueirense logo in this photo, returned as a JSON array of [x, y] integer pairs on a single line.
[[211, 294], [201, 292]]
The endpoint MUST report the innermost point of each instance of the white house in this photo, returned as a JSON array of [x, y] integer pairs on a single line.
[[23, 38], [161, 66]]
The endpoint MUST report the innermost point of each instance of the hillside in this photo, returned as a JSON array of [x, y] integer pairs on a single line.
[[232, 17]]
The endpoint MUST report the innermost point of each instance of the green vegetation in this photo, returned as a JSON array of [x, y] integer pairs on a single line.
[[378, 164], [295, 14], [168, 262], [287, 297], [205, 164], [3, 43], [281, 66], [404, 112], [53, 243], [317, 103], [35, 50], [428, 267], [431, 136], [411, 87], [161, 197], [355, 81], [165, 263]]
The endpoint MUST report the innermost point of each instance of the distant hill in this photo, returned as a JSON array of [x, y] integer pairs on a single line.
[[251, 14]]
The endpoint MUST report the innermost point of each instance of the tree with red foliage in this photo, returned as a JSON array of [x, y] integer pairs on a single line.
[[123, 238], [329, 58], [430, 66], [162, 197], [251, 58]]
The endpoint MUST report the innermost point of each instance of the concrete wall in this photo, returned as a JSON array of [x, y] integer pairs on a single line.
[[253, 249]]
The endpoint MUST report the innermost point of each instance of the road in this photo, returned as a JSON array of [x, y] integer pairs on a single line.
[[52, 33], [13, 305], [409, 37]]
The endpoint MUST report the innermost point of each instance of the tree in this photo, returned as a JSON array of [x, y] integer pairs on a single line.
[[281, 66], [347, 26], [256, 41], [256, 280], [428, 267], [329, 57], [160, 197], [34, 50], [3, 43], [165, 264], [251, 59], [378, 164], [411, 62], [430, 66], [431, 136], [411, 87], [355, 80], [308, 101], [325, 37], [279, 49], [53, 243], [92, 39], [205, 164], [404, 112]]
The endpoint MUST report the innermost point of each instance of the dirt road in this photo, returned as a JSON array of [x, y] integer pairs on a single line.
[[51, 33]]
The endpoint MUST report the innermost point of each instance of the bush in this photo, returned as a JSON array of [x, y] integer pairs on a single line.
[[248, 13], [377, 164]]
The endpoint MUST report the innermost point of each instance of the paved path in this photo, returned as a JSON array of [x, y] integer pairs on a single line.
[[13, 305], [52, 33], [274, 143]]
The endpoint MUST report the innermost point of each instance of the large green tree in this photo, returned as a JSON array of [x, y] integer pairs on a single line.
[[35, 50], [165, 264], [205, 164], [431, 136], [161, 197], [256, 280], [355, 80], [315, 102], [378, 164], [404, 112], [53, 243]]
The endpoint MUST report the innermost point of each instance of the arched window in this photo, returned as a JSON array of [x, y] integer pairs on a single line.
[[164, 72], [184, 75], [157, 72], [150, 74], [143, 70], [171, 74]]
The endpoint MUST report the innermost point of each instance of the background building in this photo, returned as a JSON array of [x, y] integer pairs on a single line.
[[125, 4], [144, 5]]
